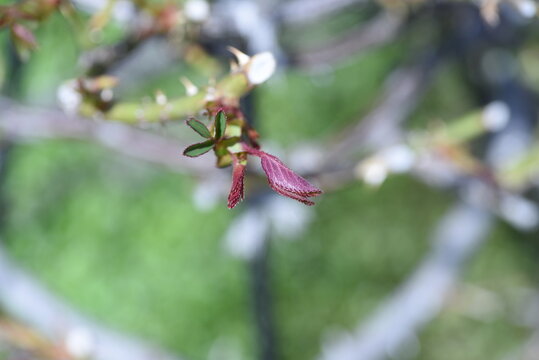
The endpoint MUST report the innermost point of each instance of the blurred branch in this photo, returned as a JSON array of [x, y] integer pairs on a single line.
[[381, 127], [460, 233], [26, 299], [378, 129], [22, 123], [376, 32]]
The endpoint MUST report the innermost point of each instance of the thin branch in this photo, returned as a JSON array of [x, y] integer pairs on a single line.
[[378, 31], [381, 127], [22, 123]]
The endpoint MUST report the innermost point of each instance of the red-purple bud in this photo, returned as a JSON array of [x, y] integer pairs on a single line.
[[283, 180], [236, 190]]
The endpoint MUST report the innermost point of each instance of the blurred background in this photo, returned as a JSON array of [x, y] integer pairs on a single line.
[[416, 118]]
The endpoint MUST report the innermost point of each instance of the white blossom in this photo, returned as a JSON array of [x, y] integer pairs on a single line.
[[372, 170], [197, 10], [261, 68], [495, 116], [69, 98]]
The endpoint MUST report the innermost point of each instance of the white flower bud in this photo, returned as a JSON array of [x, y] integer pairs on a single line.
[[261, 67], [257, 68], [160, 98], [190, 88], [69, 98], [520, 212], [107, 95], [495, 116], [373, 171], [398, 158], [526, 8], [197, 10]]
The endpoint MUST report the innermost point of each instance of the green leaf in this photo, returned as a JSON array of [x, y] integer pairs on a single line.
[[220, 124], [199, 149], [199, 127]]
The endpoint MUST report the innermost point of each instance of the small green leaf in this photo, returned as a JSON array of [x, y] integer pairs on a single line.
[[231, 141], [220, 124], [199, 127], [199, 149]]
